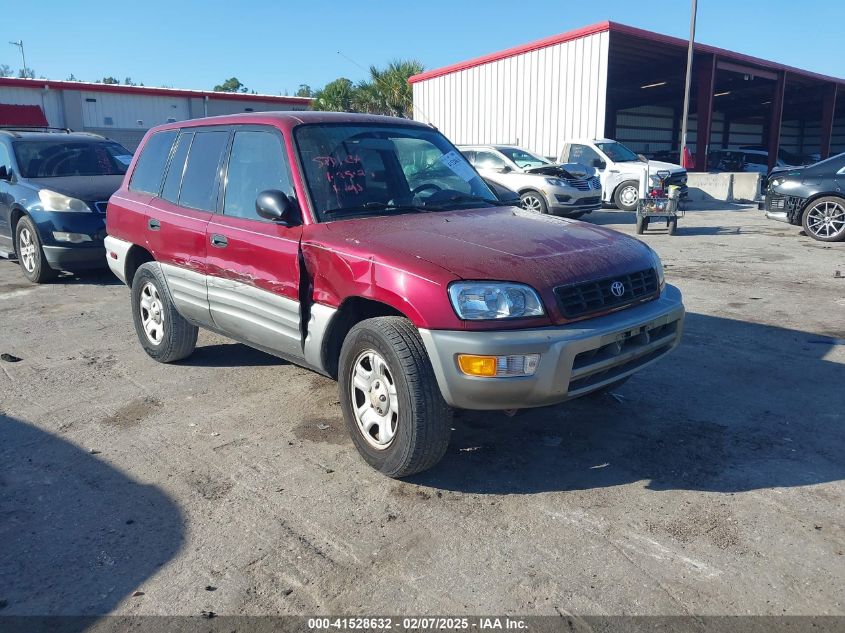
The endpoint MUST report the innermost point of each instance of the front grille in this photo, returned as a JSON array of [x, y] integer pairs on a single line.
[[776, 202], [101, 206], [587, 184], [589, 297]]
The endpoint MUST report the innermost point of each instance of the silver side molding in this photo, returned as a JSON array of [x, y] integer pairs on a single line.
[[189, 291]]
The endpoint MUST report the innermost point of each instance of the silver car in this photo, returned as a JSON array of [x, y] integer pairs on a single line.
[[545, 187]]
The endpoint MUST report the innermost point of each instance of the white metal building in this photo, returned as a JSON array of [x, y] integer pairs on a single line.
[[616, 81], [123, 113]]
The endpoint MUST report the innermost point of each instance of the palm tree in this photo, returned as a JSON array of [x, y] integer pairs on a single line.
[[335, 96], [392, 84]]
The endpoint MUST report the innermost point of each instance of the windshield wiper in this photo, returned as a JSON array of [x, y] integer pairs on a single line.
[[370, 207], [460, 198]]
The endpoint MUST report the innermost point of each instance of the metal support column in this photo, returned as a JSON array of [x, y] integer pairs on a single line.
[[828, 109], [705, 80], [775, 117]]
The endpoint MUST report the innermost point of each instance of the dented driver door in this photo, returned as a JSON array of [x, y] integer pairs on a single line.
[[253, 263]]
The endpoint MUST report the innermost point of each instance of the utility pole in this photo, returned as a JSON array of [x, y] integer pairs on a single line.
[[23, 56], [688, 81]]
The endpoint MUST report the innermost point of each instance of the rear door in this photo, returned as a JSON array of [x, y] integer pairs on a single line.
[[178, 216], [253, 263], [6, 199]]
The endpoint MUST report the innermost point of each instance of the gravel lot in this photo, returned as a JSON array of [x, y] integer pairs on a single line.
[[712, 483]]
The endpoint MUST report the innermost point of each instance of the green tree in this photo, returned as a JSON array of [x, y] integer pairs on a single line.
[[335, 96], [5, 70], [231, 85], [26, 73], [72, 78], [304, 91], [392, 84], [110, 80]]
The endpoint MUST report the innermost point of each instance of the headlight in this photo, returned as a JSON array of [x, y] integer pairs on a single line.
[[557, 182], [478, 300], [776, 182], [52, 201], [658, 266]]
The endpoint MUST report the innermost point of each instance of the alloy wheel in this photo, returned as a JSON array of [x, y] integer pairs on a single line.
[[27, 249], [531, 202], [826, 219], [152, 313], [374, 399], [629, 196]]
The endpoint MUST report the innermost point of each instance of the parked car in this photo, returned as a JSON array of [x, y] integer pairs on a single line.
[[368, 249], [741, 160], [54, 187], [543, 186], [620, 169], [788, 159], [811, 196]]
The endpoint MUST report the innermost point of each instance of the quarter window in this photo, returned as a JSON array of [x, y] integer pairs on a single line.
[[173, 180], [199, 190], [149, 169], [257, 163]]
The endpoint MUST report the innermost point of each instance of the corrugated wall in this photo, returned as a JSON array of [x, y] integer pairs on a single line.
[[49, 100], [537, 99]]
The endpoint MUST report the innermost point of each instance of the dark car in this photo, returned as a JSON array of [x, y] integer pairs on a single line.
[[54, 188], [813, 196]]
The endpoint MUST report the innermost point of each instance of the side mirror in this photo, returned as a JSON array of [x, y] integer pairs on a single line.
[[4, 173], [598, 163], [274, 205], [642, 158], [505, 170]]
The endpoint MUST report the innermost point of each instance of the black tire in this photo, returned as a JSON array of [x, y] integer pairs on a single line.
[[673, 226], [622, 191], [423, 421], [534, 201], [642, 224], [177, 337], [31, 254], [822, 227]]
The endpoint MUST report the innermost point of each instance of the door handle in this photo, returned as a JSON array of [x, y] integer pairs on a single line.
[[219, 241], [153, 224]]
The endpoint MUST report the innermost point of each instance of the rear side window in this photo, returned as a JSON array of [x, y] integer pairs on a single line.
[[149, 169], [199, 182], [257, 163], [173, 180]]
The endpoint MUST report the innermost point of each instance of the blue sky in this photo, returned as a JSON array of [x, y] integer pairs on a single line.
[[273, 46]]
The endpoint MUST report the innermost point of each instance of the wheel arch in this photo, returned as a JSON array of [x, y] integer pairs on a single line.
[[352, 311], [136, 257], [816, 196], [15, 216]]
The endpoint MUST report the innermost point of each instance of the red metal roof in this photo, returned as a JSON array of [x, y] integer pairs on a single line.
[[23, 115], [615, 27], [145, 90]]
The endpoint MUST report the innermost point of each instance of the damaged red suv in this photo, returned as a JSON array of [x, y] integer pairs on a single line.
[[367, 249]]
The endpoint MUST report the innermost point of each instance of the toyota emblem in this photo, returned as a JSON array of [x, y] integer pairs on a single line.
[[617, 288]]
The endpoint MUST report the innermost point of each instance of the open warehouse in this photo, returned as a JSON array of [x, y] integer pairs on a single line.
[[616, 81], [122, 113]]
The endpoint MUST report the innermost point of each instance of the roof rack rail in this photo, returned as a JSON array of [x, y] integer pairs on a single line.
[[35, 128]]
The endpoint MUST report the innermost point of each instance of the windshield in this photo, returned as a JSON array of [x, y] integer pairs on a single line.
[[385, 169], [617, 152], [523, 159], [52, 159]]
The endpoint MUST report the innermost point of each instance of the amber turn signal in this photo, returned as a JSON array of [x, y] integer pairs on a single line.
[[477, 365]]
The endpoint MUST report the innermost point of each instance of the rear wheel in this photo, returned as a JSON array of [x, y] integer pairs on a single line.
[[392, 405], [30, 253], [534, 201], [163, 333], [642, 224], [626, 196], [673, 226], [824, 219]]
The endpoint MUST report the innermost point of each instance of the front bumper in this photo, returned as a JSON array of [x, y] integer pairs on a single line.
[[87, 256], [781, 207], [575, 359], [566, 200]]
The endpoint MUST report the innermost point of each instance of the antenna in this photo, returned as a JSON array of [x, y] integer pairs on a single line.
[[415, 106]]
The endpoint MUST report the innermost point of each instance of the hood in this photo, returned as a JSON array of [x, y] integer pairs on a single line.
[[86, 188], [655, 166], [564, 170], [503, 243]]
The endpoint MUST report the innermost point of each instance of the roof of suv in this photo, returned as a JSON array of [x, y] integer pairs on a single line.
[[291, 118], [39, 135]]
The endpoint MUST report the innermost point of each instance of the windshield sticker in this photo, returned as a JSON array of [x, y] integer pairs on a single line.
[[459, 165], [346, 175], [124, 158]]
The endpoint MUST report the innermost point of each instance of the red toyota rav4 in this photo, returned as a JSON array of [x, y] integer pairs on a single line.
[[369, 250]]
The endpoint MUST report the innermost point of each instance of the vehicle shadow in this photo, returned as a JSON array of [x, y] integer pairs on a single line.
[[99, 276], [738, 406], [230, 355], [78, 536]]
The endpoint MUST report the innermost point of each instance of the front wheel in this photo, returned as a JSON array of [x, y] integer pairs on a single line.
[[626, 196], [642, 224], [824, 219], [163, 333], [534, 201], [392, 405], [30, 253]]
